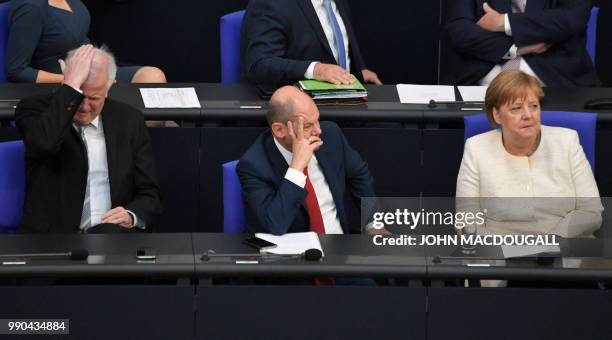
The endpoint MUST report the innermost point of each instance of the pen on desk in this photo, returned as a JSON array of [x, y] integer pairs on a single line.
[[250, 106]]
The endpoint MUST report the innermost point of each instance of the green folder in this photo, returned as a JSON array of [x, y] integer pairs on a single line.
[[322, 86]]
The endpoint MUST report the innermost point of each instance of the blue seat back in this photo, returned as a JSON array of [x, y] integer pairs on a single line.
[[12, 185], [4, 30], [230, 47], [234, 220], [583, 123], [591, 36]]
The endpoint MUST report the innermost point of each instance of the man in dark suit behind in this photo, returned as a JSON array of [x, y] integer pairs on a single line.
[[292, 181], [89, 161], [284, 41], [544, 38]]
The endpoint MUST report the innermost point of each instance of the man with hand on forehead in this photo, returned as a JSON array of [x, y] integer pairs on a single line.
[[295, 175], [89, 161]]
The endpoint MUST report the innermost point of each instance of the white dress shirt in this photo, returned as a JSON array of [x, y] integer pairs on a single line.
[[319, 7], [553, 191], [512, 53], [321, 188], [97, 177]]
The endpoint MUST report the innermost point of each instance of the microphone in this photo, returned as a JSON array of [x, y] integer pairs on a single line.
[[74, 255], [309, 255], [313, 254]]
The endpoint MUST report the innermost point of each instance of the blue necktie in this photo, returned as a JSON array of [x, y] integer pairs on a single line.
[[337, 34]]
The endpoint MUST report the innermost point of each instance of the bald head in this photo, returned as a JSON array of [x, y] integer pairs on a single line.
[[287, 103]]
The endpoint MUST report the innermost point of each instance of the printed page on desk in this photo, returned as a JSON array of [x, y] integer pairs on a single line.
[[167, 98], [473, 93], [422, 94], [292, 243]]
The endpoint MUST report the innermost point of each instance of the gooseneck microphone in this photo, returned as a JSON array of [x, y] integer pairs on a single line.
[[74, 255], [309, 255]]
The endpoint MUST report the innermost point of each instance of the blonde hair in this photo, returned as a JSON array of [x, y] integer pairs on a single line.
[[507, 87]]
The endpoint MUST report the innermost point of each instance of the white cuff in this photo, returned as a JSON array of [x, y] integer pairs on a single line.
[[74, 88], [507, 27], [512, 53], [137, 223], [296, 177], [310, 70]]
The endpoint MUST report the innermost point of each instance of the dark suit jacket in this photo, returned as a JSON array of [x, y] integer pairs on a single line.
[[278, 206], [280, 38], [561, 23], [56, 162]]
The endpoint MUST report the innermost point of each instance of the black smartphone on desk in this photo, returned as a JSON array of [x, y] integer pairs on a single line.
[[258, 243]]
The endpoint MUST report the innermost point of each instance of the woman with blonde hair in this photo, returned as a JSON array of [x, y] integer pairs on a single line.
[[529, 178]]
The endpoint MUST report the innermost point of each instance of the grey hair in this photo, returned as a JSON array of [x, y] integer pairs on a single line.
[[93, 72]]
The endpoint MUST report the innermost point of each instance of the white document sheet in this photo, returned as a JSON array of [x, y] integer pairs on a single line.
[[473, 93], [170, 98], [521, 251], [422, 94], [292, 243]]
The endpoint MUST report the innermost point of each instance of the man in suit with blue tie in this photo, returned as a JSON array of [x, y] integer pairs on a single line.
[[286, 41], [543, 38], [295, 176]]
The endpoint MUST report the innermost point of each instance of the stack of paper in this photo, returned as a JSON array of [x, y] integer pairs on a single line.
[[320, 90], [292, 243], [167, 98], [423, 94]]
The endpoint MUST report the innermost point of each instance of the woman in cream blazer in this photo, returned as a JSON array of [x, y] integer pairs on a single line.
[[527, 178]]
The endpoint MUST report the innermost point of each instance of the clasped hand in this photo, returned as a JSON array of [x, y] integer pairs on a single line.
[[493, 21]]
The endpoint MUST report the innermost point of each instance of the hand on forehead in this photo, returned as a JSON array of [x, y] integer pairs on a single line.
[[99, 69]]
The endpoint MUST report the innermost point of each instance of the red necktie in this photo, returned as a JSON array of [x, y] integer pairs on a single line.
[[316, 223], [312, 204]]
